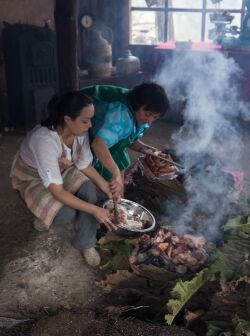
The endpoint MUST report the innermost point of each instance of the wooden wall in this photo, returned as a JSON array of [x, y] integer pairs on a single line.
[[26, 11]]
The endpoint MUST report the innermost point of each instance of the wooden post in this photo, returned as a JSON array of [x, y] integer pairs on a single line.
[[67, 32]]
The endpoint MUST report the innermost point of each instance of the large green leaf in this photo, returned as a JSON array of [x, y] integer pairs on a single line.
[[231, 260], [215, 328], [119, 254], [242, 327], [223, 267], [232, 223], [227, 263], [238, 226], [182, 292]]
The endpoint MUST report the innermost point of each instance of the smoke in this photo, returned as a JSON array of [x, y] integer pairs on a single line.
[[209, 142]]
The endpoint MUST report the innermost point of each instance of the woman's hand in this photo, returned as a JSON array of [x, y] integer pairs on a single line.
[[102, 215], [106, 189], [141, 147], [116, 186], [146, 149], [64, 163]]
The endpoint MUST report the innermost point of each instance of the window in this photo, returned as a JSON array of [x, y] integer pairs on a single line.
[[156, 21]]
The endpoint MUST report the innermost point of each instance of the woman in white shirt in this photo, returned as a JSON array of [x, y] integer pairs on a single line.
[[53, 172]]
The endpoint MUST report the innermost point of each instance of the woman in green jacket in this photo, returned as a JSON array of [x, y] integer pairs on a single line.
[[121, 117]]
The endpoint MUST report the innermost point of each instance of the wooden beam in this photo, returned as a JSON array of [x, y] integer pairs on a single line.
[[66, 14]]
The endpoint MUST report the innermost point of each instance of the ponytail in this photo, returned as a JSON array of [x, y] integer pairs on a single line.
[[53, 118], [68, 104]]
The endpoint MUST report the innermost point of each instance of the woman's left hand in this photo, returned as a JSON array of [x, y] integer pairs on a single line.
[[143, 148], [64, 163], [149, 149], [106, 190], [103, 217]]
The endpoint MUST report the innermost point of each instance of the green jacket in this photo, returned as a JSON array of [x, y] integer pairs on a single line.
[[110, 94]]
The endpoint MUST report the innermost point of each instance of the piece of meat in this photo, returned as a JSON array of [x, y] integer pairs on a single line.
[[163, 246], [132, 224], [174, 251], [122, 214], [158, 166], [198, 241]]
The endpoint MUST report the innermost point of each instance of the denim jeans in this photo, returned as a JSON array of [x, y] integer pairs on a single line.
[[85, 224]]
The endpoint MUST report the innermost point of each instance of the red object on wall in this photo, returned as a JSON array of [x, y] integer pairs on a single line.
[[198, 46]]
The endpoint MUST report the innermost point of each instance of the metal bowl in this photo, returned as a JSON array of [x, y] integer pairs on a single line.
[[149, 174], [132, 209]]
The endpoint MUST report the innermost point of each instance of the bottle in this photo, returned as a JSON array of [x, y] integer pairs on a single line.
[[127, 64]]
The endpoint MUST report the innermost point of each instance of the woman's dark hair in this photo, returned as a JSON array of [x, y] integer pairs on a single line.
[[150, 95], [68, 104]]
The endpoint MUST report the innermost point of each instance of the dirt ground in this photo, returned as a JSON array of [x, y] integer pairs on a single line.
[[38, 270], [88, 323], [44, 279]]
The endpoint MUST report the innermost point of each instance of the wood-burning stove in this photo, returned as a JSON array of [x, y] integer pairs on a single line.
[[31, 72]]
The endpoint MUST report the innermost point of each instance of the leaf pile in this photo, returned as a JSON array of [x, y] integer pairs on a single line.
[[229, 263]]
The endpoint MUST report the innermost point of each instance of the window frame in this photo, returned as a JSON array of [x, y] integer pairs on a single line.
[[166, 10]]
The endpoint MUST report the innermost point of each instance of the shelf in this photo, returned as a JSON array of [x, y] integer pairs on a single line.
[[119, 80]]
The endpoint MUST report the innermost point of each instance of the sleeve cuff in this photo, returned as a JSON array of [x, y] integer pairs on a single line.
[[83, 166], [47, 183]]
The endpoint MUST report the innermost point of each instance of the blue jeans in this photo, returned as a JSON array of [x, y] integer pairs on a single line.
[[85, 224]]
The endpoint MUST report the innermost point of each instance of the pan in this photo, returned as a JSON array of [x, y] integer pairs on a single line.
[[149, 174]]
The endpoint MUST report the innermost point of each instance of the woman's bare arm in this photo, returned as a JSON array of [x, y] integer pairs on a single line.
[[97, 179], [141, 147], [102, 152]]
